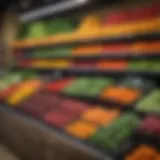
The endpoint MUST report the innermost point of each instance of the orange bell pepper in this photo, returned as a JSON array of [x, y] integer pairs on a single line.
[[81, 129], [121, 95]]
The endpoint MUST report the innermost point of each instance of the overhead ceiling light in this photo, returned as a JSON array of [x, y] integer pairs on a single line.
[[51, 9]]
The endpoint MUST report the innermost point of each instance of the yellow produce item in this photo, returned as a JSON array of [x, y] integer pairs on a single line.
[[51, 63], [23, 91], [88, 23], [61, 64]]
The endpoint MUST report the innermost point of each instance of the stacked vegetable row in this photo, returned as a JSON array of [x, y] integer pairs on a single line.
[[135, 48], [112, 65], [126, 92], [95, 124], [141, 21], [129, 22]]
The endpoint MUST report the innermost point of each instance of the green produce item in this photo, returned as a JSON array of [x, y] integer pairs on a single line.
[[9, 79], [27, 74], [52, 52], [78, 86], [156, 65], [97, 85], [22, 31], [112, 136], [59, 25], [150, 103], [138, 65], [37, 30], [147, 65], [89, 87], [3, 85], [13, 78]]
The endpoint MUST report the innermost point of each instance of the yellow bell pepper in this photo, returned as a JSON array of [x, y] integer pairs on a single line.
[[23, 91]]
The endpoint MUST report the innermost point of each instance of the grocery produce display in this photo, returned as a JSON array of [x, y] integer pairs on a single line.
[[116, 114], [92, 124]]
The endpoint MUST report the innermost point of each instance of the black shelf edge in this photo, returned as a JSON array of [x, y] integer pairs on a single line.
[[58, 134], [110, 56], [92, 71]]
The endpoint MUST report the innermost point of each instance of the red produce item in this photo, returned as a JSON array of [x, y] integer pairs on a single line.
[[146, 12], [59, 85], [59, 119], [117, 17], [40, 104], [44, 98], [151, 125], [74, 107], [37, 110], [117, 48]]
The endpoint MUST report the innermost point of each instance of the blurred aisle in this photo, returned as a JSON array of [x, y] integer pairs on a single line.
[[5, 154]]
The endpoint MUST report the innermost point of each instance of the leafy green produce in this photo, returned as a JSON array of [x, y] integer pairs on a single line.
[[89, 87], [112, 136], [59, 25], [52, 52], [150, 103], [37, 30]]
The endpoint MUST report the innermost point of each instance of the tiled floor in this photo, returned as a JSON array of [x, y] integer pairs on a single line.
[[6, 154]]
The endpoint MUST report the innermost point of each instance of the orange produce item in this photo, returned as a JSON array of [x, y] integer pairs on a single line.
[[81, 129], [143, 152], [147, 47], [87, 50], [158, 157], [100, 116], [117, 48], [116, 64], [121, 94]]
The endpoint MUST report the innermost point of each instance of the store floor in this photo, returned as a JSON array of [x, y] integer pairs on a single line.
[[6, 154]]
